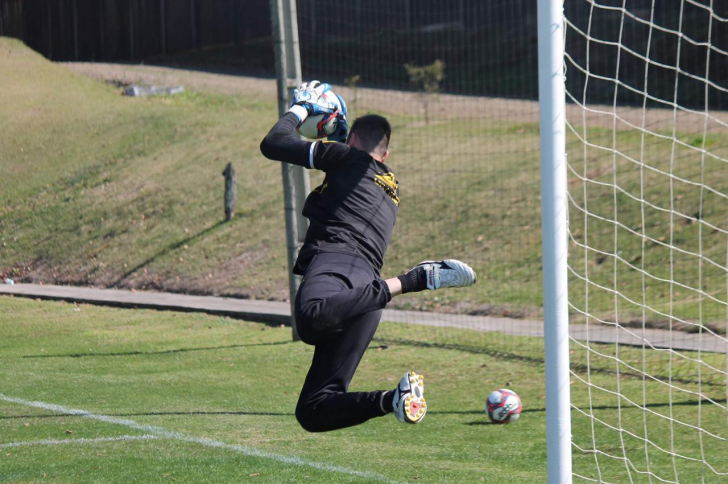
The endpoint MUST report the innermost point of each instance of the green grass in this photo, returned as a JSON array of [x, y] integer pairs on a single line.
[[99, 189], [683, 212], [105, 190], [236, 383]]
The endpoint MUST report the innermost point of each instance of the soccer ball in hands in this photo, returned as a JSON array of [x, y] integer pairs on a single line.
[[319, 126], [503, 406]]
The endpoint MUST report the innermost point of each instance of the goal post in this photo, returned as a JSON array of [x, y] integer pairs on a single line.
[[554, 228]]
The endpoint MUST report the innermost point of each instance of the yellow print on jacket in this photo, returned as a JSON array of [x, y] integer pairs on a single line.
[[390, 186]]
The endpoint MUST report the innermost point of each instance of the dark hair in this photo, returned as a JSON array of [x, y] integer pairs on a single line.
[[370, 130]]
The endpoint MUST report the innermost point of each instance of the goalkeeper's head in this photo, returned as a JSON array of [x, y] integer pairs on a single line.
[[371, 133]]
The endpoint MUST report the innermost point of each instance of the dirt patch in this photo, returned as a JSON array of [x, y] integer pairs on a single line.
[[219, 282], [39, 271], [471, 309], [674, 326], [122, 75], [410, 103]]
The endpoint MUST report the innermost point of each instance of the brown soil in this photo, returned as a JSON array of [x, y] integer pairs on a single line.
[[408, 103]]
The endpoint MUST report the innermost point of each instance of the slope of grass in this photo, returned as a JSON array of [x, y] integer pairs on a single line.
[[667, 253], [194, 377], [120, 192], [100, 189]]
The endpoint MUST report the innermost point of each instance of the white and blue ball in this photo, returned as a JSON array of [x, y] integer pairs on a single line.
[[503, 406], [322, 125]]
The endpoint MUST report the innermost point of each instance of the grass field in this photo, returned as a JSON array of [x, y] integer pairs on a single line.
[[99, 189], [192, 398]]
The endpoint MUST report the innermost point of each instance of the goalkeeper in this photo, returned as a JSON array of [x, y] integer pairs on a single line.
[[340, 301]]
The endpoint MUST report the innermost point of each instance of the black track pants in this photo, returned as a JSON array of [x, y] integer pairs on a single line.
[[338, 308]]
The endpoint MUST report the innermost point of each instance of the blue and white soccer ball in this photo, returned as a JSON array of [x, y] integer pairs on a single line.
[[322, 125], [503, 406]]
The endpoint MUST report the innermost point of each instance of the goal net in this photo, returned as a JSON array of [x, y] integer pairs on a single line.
[[647, 144], [647, 164]]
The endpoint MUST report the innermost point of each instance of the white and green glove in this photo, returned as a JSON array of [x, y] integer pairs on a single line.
[[308, 100]]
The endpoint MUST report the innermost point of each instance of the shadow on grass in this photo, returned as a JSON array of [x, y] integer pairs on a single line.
[[595, 407], [166, 251], [152, 414], [287, 414], [503, 355], [164, 352]]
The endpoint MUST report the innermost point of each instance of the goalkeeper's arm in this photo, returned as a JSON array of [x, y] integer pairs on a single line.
[[282, 143]]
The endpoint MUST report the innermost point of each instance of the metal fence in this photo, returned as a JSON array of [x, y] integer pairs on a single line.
[[130, 30]]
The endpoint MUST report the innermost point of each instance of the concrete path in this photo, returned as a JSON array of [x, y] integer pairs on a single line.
[[273, 312]]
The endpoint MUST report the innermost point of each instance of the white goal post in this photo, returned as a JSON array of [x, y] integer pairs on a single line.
[[553, 214]]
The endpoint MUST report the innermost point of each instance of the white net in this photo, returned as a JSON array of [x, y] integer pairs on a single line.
[[647, 147]]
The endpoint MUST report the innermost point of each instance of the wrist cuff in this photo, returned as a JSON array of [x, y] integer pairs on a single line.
[[300, 112], [414, 280]]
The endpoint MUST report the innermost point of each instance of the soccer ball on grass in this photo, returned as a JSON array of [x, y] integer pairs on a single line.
[[503, 406]]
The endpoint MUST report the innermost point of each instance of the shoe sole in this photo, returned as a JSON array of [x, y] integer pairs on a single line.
[[415, 406]]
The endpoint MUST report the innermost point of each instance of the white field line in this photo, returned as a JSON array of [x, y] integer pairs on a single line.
[[169, 434], [122, 438]]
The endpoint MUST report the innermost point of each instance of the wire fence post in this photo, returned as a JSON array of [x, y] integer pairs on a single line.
[[193, 24], [102, 33], [295, 180], [163, 26], [131, 29], [49, 32], [293, 57], [74, 12]]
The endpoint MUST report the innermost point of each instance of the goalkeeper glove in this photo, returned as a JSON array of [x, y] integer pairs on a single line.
[[342, 128], [307, 100]]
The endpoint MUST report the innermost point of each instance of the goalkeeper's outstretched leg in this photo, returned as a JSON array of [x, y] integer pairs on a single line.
[[338, 309]]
